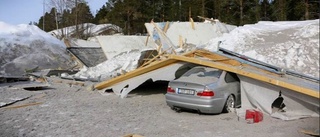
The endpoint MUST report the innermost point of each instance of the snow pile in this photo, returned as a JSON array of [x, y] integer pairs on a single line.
[[292, 45], [26, 46], [122, 63]]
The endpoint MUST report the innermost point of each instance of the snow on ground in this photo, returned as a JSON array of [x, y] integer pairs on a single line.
[[26, 46], [292, 45]]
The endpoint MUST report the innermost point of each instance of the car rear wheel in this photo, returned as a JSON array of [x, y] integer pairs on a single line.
[[230, 104]]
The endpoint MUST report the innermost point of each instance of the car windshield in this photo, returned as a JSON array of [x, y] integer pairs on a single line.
[[203, 73]]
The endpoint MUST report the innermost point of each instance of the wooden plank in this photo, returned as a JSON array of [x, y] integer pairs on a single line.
[[180, 41], [137, 72], [79, 64], [160, 32], [166, 27], [152, 66], [207, 19], [192, 24], [146, 44], [310, 132], [24, 105]]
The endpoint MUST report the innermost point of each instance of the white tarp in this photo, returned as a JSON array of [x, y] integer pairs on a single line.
[[116, 44], [259, 95], [124, 87]]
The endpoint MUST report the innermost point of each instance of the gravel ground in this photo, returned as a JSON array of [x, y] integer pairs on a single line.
[[75, 111]]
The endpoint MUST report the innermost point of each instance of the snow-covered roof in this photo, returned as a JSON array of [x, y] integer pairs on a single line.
[[292, 45]]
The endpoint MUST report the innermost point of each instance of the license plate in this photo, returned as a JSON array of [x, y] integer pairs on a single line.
[[186, 91]]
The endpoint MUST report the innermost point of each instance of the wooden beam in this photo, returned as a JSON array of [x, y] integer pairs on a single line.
[[192, 24], [139, 71], [166, 27], [134, 73], [243, 72]]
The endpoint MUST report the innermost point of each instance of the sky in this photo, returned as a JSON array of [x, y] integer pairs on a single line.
[[17, 12]]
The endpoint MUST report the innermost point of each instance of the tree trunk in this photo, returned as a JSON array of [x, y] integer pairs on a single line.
[[307, 10], [77, 28], [217, 9], [265, 10], [128, 22], [203, 8], [241, 12], [282, 5]]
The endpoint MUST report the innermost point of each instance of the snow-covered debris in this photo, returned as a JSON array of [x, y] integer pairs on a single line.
[[26, 46], [83, 43], [186, 33], [292, 45], [87, 29], [117, 65]]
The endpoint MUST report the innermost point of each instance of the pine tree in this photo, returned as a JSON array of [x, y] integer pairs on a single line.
[[280, 10], [50, 20], [100, 16], [81, 14]]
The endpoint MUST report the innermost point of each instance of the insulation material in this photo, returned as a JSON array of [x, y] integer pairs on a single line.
[[123, 88], [114, 45], [259, 95]]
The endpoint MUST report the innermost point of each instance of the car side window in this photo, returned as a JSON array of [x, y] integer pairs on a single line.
[[231, 77]]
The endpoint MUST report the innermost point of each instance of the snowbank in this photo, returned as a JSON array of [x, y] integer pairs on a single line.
[[26, 46]]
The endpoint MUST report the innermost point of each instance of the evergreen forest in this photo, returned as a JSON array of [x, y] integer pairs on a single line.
[[131, 15]]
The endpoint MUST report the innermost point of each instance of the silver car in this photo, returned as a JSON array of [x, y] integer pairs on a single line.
[[204, 89]]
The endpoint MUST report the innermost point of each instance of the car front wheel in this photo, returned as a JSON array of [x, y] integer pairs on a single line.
[[229, 105]]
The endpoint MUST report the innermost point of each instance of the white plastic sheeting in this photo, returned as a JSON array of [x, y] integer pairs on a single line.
[[259, 95], [123, 88]]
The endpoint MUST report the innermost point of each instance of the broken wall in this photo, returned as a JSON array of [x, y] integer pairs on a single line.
[[89, 56], [194, 33], [260, 95], [114, 45], [124, 87]]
